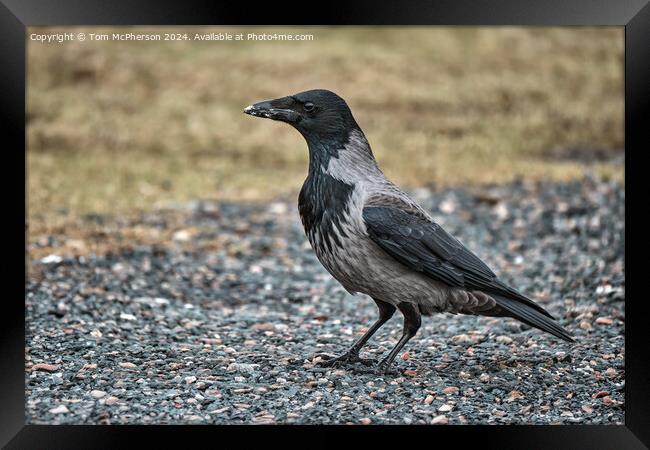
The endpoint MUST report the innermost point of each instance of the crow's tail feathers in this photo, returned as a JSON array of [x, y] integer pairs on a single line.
[[533, 317]]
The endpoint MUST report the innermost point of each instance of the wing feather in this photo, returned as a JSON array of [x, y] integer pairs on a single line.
[[423, 245]]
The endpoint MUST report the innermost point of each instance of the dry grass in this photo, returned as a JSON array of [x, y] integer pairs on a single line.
[[121, 126]]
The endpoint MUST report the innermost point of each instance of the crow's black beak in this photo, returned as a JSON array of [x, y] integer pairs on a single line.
[[273, 110]]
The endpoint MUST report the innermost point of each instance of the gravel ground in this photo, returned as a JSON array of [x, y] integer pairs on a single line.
[[221, 323]]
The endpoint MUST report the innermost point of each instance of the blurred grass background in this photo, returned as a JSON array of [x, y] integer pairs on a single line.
[[117, 126]]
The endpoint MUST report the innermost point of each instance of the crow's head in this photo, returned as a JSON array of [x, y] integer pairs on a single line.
[[317, 114]]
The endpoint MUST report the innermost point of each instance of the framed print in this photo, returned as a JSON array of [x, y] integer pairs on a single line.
[[245, 222]]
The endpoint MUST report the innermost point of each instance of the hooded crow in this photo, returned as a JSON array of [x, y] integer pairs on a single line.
[[374, 239]]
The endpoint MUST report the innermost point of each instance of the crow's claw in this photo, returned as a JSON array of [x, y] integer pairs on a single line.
[[385, 369], [346, 359]]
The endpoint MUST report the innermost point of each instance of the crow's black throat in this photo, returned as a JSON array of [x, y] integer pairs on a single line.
[[323, 203]]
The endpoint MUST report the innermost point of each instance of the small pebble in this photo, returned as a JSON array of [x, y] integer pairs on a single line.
[[45, 367], [97, 393], [440, 420], [504, 339], [51, 259], [61, 409], [111, 400]]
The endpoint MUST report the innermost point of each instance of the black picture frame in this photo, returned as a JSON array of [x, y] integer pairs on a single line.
[[16, 15]]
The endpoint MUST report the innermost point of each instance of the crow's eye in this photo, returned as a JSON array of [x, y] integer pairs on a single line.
[[309, 106]]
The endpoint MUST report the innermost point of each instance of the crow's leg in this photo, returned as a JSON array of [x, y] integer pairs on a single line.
[[412, 324], [386, 311]]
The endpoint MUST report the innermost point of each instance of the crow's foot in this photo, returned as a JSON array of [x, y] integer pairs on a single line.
[[384, 368], [347, 359], [356, 364], [379, 370]]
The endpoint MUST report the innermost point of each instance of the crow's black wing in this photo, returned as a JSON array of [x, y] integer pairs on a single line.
[[423, 245]]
